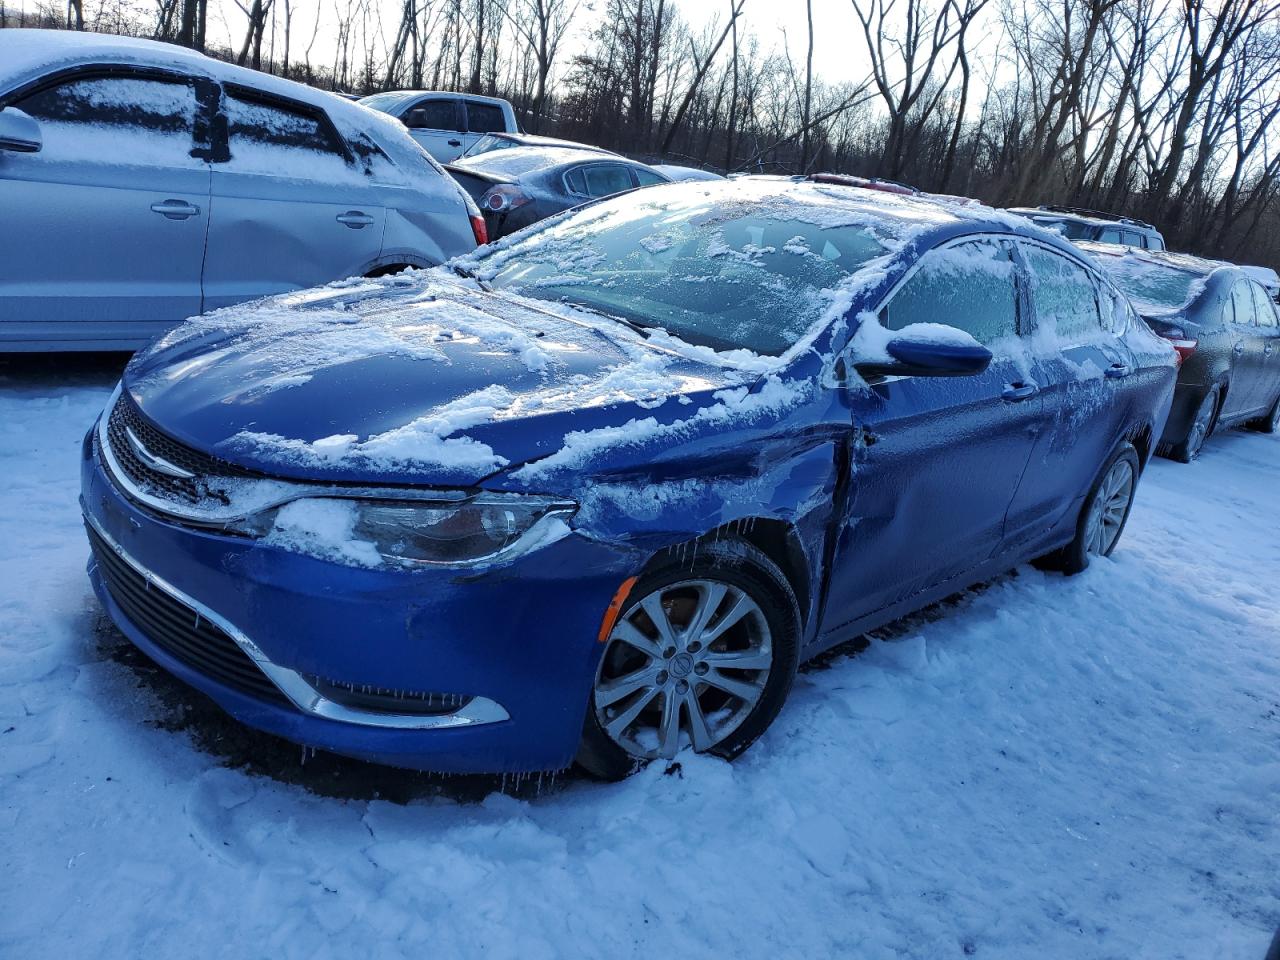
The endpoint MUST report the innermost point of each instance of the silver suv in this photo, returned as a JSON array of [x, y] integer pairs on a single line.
[[141, 183], [1081, 223]]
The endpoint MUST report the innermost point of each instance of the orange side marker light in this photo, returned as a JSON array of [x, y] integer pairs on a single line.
[[615, 608]]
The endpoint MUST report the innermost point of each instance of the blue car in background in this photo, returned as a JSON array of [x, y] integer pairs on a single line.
[[595, 491]]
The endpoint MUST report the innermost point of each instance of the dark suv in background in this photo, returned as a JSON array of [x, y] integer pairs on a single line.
[[1080, 223]]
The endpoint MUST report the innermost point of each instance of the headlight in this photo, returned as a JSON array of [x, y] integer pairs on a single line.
[[410, 533]]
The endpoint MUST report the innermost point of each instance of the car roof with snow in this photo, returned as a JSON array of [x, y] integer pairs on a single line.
[[1186, 262], [526, 160], [28, 54]]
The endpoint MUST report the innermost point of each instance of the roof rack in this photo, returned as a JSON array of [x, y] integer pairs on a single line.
[[1096, 214]]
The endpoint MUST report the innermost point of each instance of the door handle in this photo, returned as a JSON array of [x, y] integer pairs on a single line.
[[1238, 348], [1118, 370], [175, 209], [455, 143], [1019, 391], [354, 219]]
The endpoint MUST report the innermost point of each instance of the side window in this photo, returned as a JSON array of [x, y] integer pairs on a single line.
[[276, 139], [434, 115], [1111, 235], [1242, 301], [1064, 294], [1132, 238], [606, 179], [485, 118], [647, 178], [1155, 243], [576, 182], [1264, 307], [133, 119], [970, 286]]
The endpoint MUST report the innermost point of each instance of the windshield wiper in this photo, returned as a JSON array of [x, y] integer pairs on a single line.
[[471, 275]]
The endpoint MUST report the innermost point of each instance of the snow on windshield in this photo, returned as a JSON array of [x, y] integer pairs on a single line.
[[740, 267], [1153, 286]]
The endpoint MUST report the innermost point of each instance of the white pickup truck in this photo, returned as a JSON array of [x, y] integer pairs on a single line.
[[446, 123]]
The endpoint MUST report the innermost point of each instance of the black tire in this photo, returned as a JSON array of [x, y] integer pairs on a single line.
[[740, 565], [1269, 423], [1190, 446], [1074, 557]]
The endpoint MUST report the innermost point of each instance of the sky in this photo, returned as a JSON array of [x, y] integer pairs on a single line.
[[838, 53]]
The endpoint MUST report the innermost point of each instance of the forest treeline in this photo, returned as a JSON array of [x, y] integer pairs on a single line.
[[1164, 110]]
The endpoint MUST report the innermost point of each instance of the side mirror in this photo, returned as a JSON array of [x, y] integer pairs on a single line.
[[928, 350], [19, 132]]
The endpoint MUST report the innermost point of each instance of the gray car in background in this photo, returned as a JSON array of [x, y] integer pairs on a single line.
[[141, 183], [520, 186]]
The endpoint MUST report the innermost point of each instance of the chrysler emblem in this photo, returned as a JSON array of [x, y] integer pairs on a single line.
[[158, 464]]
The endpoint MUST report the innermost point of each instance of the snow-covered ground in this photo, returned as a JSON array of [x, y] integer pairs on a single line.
[[1079, 768]]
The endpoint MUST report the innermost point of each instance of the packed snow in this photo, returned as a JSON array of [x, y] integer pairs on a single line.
[[1047, 767]]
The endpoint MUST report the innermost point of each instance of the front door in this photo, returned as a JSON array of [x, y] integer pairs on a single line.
[[288, 210], [941, 457], [439, 125], [105, 225]]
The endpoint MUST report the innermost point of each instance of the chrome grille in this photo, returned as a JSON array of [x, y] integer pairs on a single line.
[[124, 419]]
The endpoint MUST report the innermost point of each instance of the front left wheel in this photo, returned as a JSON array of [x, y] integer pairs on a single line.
[[702, 655]]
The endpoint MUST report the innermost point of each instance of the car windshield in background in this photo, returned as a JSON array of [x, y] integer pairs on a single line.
[[1153, 287], [487, 144], [722, 273], [1071, 229]]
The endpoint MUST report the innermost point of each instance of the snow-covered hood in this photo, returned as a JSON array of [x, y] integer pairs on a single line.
[[423, 379]]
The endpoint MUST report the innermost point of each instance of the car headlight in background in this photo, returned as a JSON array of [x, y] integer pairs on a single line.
[[483, 528]]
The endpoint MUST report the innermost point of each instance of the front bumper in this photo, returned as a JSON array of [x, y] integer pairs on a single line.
[[519, 639]]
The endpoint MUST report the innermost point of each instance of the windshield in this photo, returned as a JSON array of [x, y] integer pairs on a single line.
[[487, 144], [724, 271], [1153, 287], [381, 101], [1071, 229]]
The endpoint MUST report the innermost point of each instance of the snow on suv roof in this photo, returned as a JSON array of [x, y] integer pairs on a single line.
[[1179, 261]]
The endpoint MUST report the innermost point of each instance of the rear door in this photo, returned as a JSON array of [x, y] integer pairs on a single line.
[[481, 118], [288, 208], [941, 457], [1083, 365], [1248, 360], [1269, 331], [105, 226], [439, 125]]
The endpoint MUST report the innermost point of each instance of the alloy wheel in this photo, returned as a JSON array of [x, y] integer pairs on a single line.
[[687, 663], [1109, 508]]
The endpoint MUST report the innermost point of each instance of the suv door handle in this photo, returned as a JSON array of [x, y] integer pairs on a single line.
[[455, 143], [1019, 391], [354, 219], [175, 209], [1118, 370]]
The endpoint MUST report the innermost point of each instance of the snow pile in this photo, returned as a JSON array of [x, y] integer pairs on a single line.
[[1059, 768], [773, 398], [427, 442]]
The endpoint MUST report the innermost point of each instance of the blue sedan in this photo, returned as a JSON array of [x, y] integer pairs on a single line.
[[595, 491]]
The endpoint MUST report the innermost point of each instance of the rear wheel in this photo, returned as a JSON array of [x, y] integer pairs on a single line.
[[1270, 423], [1201, 427], [1103, 516], [702, 655]]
